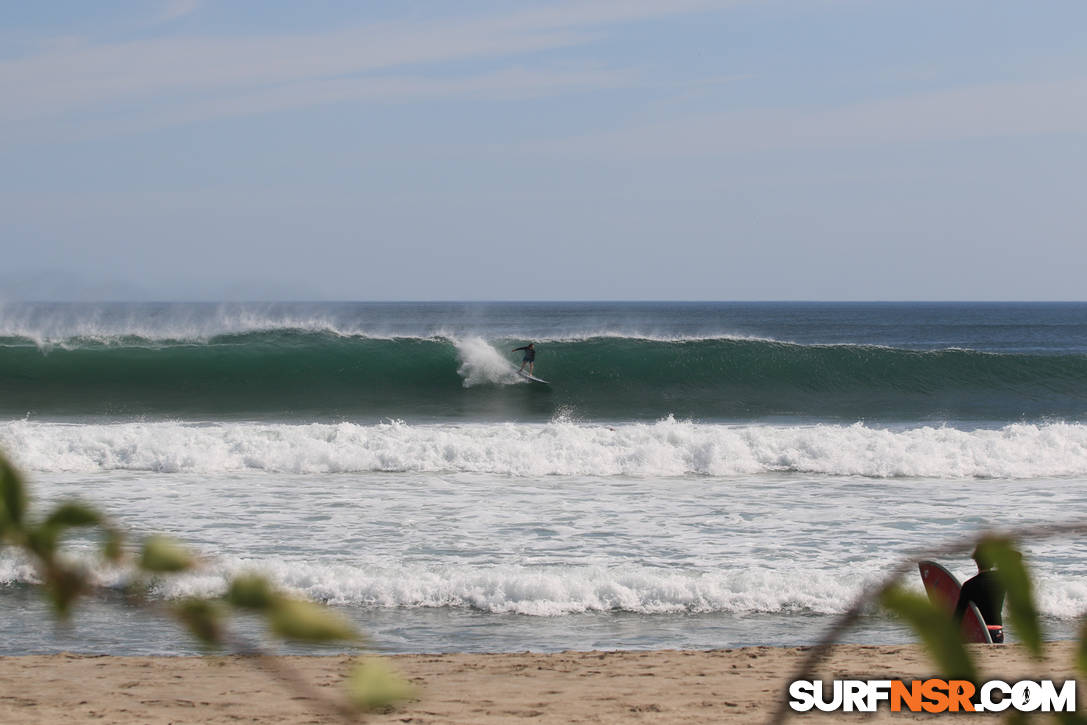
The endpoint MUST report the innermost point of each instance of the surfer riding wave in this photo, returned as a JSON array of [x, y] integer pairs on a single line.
[[529, 357]]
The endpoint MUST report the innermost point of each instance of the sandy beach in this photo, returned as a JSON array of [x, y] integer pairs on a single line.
[[738, 685]]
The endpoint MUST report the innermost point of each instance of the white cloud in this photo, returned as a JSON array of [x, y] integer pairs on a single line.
[[513, 83], [984, 111], [88, 77], [176, 9]]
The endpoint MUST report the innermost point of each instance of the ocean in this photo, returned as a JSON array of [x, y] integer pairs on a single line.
[[695, 475]]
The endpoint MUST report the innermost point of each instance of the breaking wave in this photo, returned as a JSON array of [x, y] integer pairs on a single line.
[[290, 372], [563, 448]]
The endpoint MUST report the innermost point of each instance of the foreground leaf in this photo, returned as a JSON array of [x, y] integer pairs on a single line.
[[251, 591], [64, 584], [295, 619], [163, 555], [201, 617], [1071, 718], [936, 629], [112, 546], [374, 684], [72, 514], [12, 497], [43, 539], [1081, 651]]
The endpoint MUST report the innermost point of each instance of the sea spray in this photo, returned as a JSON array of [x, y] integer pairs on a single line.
[[482, 364]]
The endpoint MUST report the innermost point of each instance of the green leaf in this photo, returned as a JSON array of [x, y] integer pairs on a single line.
[[251, 591], [42, 541], [1081, 650], [1020, 592], [936, 629], [113, 546], [295, 619], [12, 497], [73, 514], [64, 585], [163, 555], [203, 618], [374, 684]]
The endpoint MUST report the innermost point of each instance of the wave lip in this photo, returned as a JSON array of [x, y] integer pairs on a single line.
[[663, 449], [53, 324]]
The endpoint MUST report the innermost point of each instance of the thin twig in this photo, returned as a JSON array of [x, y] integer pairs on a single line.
[[278, 668]]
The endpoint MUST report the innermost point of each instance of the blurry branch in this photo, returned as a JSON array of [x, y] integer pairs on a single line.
[[936, 628], [371, 685], [933, 625]]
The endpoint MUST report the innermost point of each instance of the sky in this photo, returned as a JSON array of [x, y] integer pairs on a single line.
[[593, 150]]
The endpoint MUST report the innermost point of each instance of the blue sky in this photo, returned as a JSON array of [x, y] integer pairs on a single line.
[[647, 149]]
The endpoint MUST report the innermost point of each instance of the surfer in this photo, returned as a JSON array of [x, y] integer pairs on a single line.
[[986, 591], [529, 358]]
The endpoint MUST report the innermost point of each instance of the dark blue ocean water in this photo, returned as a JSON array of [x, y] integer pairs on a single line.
[[605, 361], [694, 475]]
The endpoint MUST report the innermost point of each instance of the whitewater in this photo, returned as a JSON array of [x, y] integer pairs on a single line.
[[696, 475], [667, 448]]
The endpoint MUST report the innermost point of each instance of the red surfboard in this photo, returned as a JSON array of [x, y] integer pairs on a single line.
[[943, 591]]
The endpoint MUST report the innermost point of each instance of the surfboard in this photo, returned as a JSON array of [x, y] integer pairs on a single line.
[[943, 591], [533, 378]]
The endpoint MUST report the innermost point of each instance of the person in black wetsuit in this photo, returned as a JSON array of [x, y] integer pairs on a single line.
[[987, 592], [529, 358]]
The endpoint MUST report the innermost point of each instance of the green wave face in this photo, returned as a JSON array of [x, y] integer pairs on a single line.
[[289, 374]]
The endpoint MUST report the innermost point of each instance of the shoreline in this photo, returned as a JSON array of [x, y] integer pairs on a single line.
[[658, 686]]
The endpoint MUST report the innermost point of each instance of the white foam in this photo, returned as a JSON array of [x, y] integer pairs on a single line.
[[665, 448], [553, 590], [539, 591]]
